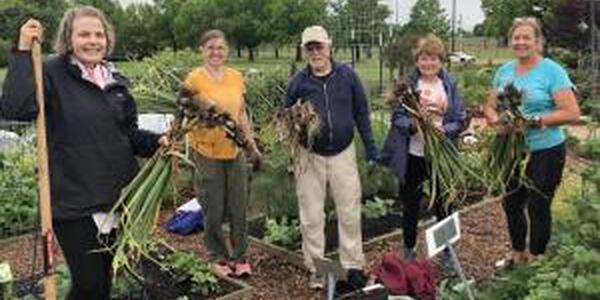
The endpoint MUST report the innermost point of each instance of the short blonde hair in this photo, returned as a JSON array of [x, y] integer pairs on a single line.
[[531, 22], [62, 43], [430, 44]]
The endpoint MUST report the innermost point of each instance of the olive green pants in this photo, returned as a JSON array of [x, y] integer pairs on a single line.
[[222, 188]]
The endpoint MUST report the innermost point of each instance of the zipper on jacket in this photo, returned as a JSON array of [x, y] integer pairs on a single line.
[[329, 121]]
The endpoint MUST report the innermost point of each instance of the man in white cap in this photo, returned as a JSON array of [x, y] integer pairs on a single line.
[[339, 97]]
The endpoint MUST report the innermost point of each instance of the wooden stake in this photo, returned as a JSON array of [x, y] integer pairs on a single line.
[[43, 177]]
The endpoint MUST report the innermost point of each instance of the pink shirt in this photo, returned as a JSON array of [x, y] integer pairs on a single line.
[[99, 75], [435, 100]]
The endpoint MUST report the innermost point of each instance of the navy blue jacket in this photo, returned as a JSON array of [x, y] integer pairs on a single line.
[[92, 133], [395, 150], [341, 103]]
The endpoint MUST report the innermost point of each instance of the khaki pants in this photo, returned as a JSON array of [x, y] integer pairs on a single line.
[[340, 172]]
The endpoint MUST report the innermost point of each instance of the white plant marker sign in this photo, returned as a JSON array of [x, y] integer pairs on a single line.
[[441, 236]]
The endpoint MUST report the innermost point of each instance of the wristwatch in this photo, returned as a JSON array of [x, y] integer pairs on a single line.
[[535, 122]]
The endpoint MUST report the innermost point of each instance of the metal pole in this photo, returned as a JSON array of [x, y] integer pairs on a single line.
[[594, 38], [380, 63], [397, 12], [330, 286], [459, 270], [353, 51], [452, 46], [594, 49]]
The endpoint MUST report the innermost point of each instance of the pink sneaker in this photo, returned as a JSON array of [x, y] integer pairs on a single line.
[[222, 268], [242, 269]]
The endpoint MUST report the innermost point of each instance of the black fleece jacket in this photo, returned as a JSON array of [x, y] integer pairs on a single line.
[[92, 133]]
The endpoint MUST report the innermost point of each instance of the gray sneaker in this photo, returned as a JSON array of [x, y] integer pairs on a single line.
[[316, 281], [409, 254]]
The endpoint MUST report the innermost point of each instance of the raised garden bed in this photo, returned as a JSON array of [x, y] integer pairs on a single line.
[[371, 228], [374, 230], [159, 284]]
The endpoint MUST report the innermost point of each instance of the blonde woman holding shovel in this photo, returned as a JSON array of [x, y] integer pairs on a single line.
[[92, 135]]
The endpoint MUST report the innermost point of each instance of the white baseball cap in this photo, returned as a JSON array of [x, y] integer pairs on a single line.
[[315, 33]]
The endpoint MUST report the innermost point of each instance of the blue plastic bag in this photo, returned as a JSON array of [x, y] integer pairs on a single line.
[[185, 222]]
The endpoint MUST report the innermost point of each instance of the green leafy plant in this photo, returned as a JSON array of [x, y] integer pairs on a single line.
[[571, 267], [18, 196], [185, 266], [474, 85], [158, 78], [284, 232], [273, 188], [590, 149], [377, 208]]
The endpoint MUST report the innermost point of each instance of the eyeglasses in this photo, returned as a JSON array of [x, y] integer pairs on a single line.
[[215, 49], [314, 47]]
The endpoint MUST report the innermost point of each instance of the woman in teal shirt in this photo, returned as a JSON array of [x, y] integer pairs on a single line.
[[549, 102]]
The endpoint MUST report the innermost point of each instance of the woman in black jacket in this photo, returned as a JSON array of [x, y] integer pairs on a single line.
[[92, 136]]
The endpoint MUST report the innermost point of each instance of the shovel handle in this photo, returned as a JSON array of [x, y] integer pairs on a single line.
[[43, 175]]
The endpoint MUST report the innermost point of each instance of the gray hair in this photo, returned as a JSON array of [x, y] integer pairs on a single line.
[[62, 44]]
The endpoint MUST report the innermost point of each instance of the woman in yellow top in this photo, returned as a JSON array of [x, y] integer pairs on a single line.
[[221, 180]]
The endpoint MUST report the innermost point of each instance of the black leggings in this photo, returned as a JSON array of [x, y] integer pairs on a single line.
[[544, 172], [411, 194], [90, 271]]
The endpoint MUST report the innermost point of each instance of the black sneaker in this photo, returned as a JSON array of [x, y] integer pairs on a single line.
[[356, 278]]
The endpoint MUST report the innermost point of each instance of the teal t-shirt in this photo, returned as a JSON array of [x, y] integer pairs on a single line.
[[538, 86]]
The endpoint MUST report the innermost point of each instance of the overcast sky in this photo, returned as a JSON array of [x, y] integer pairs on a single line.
[[469, 10]]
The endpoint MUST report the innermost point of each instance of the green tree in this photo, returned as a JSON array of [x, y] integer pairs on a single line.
[[141, 32], [239, 19], [167, 12], [244, 23], [499, 14], [428, 16], [398, 53], [193, 18], [286, 19], [14, 13], [561, 24], [478, 30], [366, 18]]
